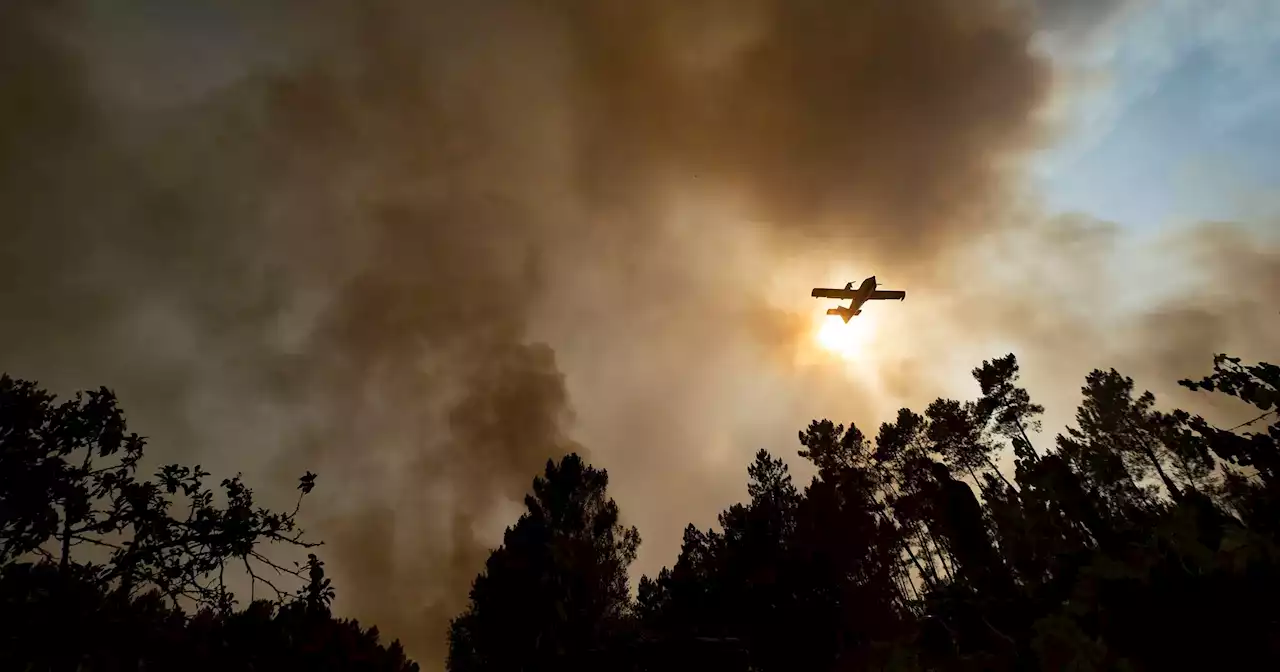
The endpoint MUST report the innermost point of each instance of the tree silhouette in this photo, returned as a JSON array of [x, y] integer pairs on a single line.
[[957, 431], [1006, 405], [108, 561], [555, 594], [1145, 539], [1249, 459], [71, 481]]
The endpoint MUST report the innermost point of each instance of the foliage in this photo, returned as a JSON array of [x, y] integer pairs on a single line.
[[90, 549], [109, 632], [1143, 540], [556, 590]]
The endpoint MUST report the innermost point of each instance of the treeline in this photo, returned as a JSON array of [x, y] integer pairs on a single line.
[[1140, 540], [102, 570]]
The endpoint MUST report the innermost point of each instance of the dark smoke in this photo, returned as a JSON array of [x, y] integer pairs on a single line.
[[879, 122]]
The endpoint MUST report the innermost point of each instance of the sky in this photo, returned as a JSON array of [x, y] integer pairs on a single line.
[[419, 248], [1184, 126]]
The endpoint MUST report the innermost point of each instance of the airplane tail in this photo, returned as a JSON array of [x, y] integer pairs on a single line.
[[844, 313]]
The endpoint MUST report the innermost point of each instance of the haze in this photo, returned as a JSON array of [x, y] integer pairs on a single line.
[[421, 247]]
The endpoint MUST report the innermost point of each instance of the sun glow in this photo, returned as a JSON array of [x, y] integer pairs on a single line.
[[851, 340]]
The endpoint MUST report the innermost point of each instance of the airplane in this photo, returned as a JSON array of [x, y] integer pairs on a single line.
[[865, 292]]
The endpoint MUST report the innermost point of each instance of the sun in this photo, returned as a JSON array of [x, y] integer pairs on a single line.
[[848, 340]]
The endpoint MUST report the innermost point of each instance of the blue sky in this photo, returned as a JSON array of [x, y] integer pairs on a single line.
[[1186, 126]]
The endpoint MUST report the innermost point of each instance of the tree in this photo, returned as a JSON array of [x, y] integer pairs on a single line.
[[89, 550], [555, 594], [70, 482], [850, 604], [1249, 454], [1190, 459], [957, 433], [1007, 406], [1111, 419], [795, 580], [99, 631], [832, 449], [1258, 386], [887, 561]]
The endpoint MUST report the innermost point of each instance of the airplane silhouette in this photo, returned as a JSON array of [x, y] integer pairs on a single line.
[[865, 292]]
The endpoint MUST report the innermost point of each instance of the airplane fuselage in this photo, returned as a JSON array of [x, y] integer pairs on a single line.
[[855, 303], [857, 297]]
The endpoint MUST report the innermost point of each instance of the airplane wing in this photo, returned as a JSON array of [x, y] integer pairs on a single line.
[[888, 294], [821, 293]]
